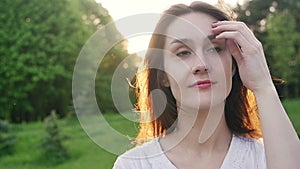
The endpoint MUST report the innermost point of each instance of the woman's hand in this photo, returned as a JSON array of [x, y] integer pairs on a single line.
[[254, 72], [248, 53]]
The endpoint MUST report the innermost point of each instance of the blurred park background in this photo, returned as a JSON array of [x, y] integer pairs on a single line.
[[40, 41]]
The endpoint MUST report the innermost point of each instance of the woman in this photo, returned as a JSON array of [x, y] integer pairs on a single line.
[[206, 80]]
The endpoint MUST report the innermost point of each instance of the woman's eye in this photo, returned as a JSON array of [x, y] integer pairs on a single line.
[[183, 53], [214, 50]]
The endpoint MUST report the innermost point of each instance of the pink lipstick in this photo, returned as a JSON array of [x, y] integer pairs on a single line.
[[203, 84]]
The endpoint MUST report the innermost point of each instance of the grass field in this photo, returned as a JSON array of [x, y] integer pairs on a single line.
[[292, 107], [84, 153]]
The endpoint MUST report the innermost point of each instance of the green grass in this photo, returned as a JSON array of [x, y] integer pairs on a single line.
[[84, 153], [292, 107]]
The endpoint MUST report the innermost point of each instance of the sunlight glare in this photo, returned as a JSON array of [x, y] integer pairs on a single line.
[[139, 44]]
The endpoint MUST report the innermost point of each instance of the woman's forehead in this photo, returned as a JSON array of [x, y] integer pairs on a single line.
[[189, 26]]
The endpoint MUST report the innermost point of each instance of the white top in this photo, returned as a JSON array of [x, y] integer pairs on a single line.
[[243, 153]]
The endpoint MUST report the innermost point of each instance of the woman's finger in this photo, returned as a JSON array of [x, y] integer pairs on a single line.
[[234, 26], [236, 36], [235, 50]]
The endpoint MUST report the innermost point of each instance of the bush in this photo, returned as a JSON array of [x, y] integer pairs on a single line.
[[7, 140], [52, 143]]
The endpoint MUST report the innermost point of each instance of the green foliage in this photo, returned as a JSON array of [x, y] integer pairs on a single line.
[[40, 42], [52, 143], [283, 36], [7, 139], [30, 50], [292, 108]]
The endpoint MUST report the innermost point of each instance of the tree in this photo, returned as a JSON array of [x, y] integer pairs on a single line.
[[40, 41], [7, 139], [282, 39], [52, 144]]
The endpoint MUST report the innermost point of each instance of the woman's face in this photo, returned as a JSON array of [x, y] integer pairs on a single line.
[[199, 68]]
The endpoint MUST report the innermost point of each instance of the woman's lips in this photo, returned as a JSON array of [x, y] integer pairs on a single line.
[[203, 84]]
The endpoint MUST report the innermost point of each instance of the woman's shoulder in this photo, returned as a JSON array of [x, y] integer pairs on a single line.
[[144, 156], [246, 153], [249, 143], [146, 149]]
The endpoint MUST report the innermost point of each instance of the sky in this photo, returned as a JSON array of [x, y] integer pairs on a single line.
[[125, 9]]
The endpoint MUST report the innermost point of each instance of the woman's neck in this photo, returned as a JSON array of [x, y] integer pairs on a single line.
[[206, 130]]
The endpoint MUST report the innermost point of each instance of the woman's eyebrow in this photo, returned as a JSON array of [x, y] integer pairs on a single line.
[[183, 41], [189, 42]]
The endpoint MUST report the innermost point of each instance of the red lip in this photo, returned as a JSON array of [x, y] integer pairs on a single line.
[[203, 84]]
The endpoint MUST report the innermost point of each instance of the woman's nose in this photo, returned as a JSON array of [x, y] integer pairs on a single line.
[[199, 67]]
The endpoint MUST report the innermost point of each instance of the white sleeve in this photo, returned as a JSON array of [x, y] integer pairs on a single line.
[[122, 163], [127, 162], [260, 154], [147, 156]]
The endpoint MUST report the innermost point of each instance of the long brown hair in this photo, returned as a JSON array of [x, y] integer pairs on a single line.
[[240, 108]]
